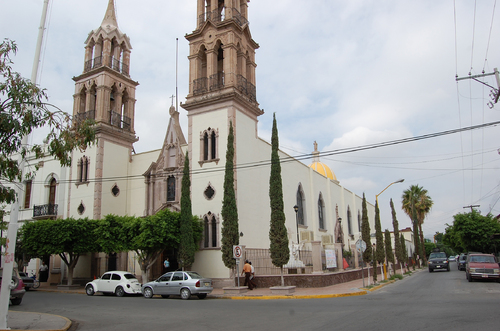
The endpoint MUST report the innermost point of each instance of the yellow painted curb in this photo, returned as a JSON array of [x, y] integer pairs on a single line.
[[379, 286], [276, 297]]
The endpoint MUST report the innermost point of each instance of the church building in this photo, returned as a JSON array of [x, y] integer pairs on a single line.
[[110, 178]]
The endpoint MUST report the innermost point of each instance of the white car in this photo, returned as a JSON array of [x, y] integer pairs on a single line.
[[117, 282]]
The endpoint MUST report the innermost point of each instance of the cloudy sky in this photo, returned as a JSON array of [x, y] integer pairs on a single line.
[[342, 73]]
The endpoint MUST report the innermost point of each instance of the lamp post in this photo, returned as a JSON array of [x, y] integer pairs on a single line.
[[296, 208], [376, 199], [342, 242]]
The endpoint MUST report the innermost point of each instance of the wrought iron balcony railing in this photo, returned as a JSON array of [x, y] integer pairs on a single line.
[[247, 88], [218, 16], [115, 65], [48, 210], [80, 117], [119, 121], [200, 85]]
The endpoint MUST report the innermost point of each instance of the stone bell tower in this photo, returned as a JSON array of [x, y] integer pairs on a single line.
[[222, 91], [105, 93]]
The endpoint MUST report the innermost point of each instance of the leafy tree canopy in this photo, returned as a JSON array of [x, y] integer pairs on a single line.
[[24, 108], [472, 232]]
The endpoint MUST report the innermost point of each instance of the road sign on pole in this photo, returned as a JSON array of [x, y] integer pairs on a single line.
[[360, 245], [237, 253]]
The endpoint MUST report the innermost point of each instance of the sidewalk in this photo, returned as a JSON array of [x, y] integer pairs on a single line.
[[38, 321]]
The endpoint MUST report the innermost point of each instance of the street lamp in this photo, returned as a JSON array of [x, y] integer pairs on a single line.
[[296, 208], [376, 199]]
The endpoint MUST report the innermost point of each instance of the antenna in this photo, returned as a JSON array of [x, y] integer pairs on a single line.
[[176, 70]]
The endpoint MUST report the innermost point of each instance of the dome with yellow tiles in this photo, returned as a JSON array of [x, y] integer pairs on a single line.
[[320, 166], [323, 169]]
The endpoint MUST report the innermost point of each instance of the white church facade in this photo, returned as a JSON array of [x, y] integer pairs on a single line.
[[110, 178]]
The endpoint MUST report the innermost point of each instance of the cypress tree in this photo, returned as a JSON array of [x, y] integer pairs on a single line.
[[379, 236], [280, 252], [230, 232], [416, 241], [397, 241], [404, 252], [365, 232], [388, 248], [187, 246]]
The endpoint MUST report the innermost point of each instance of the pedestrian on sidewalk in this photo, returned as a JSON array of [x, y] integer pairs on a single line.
[[247, 270], [252, 276]]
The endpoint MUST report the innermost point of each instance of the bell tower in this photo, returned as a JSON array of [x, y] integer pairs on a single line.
[[222, 93], [222, 57], [105, 93]]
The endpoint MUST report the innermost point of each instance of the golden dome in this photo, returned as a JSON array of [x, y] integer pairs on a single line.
[[323, 169]]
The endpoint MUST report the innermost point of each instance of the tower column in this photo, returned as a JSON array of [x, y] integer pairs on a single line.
[[88, 57], [201, 12], [211, 62], [244, 9], [106, 52], [230, 61]]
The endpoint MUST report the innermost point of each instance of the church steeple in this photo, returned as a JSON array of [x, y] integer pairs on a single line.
[[109, 20], [104, 91], [222, 55]]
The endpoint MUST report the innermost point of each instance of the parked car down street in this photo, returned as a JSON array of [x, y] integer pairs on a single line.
[[438, 261], [452, 258], [462, 260], [183, 283], [482, 266], [117, 282]]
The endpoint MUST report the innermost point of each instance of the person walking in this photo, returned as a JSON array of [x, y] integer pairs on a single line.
[[247, 270]]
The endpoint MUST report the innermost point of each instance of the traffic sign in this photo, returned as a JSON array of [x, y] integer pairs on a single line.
[[360, 245], [237, 252]]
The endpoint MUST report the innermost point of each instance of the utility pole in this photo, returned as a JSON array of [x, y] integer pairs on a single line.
[[494, 93], [471, 206]]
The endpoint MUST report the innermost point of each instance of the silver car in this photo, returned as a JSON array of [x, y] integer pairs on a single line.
[[183, 283]]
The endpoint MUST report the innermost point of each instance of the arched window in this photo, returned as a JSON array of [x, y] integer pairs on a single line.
[[52, 191], [171, 188], [359, 221], [300, 204], [210, 226], [349, 220], [321, 216], [209, 145], [83, 170]]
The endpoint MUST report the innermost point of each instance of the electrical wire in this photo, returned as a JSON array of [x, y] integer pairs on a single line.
[[489, 35]]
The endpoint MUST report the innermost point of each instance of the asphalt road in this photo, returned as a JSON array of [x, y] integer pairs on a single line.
[[424, 301]]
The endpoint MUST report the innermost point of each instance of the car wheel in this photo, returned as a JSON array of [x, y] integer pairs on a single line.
[[165, 296], [448, 268], [430, 270], [16, 301], [202, 296], [89, 290], [148, 292], [119, 291], [27, 288], [185, 293], [469, 277]]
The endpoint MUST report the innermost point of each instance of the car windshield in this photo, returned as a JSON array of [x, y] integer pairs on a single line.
[[194, 275], [482, 259], [129, 276], [437, 256]]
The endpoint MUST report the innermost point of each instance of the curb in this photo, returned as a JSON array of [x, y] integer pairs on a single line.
[[64, 328], [276, 297]]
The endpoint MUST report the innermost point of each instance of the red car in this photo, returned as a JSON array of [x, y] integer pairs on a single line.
[[482, 266]]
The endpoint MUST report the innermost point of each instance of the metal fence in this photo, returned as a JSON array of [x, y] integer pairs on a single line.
[[261, 261]]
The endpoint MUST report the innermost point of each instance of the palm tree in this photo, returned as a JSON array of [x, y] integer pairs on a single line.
[[417, 204]]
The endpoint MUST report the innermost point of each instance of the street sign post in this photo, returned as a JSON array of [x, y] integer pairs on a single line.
[[361, 248], [237, 253]]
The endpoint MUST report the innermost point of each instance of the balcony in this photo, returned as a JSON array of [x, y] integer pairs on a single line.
[[247, 88], [88, 115], [218, 16], [119, 121], [114, 64], [45, 211]]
